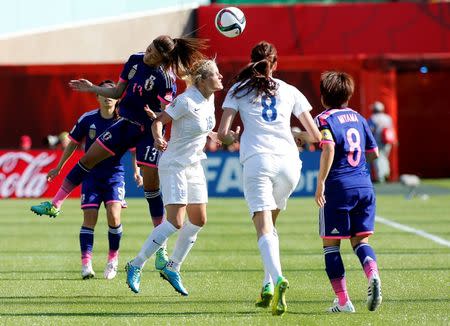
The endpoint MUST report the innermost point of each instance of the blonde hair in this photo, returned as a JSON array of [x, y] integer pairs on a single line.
[[202, 69]]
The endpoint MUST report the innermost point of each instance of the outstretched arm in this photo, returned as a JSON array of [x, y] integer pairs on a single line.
[[84, 85]]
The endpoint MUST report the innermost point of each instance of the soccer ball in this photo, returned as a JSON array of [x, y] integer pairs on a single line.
[[230, 21]]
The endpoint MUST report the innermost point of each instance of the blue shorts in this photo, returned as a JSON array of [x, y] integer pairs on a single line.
[[126, 134], [95, 191], [347, 213]]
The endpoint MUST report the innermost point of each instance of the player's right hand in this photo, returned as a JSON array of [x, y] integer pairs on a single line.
[[138, 179], [320, 194], [81, 85], [53, 173]]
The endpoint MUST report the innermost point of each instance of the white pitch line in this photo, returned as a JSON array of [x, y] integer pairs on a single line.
[[413, 230]]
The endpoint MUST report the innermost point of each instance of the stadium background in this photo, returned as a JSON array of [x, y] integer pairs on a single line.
[[398, 52]]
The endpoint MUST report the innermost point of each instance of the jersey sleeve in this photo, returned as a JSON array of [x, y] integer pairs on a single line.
[[178, 108], [371, 143], [301, 104], [166, 87], [325, 131], [78, 131], [231, 101], [129, 69]]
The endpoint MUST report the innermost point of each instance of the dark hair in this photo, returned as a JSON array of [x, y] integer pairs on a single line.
[[336, 88], [109, 82], [256, 75], [180, 53]]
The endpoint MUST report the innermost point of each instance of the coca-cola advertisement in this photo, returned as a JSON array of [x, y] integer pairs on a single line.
[[23, 174]]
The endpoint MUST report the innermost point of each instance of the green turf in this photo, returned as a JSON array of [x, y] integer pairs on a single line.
[[40, 280]]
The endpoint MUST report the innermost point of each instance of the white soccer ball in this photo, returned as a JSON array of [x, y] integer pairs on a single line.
[[230, 21]]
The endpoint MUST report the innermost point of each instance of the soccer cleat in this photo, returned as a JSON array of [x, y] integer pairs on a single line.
[[161, 258], [111, 269], [265, 297], [133, 277], [336, 307], [374, 297], [174, 278], [86, 271], [279, 305], [45, 208]]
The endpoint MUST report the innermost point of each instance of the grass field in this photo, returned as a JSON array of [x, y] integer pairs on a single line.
[[40, 280]]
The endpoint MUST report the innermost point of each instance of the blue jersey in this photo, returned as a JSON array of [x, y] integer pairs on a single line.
[[352, 138], [89, 126], [146, 86]]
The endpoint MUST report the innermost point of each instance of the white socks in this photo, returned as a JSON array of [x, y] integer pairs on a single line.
[[269, 248], [154, 241], [185, 241]]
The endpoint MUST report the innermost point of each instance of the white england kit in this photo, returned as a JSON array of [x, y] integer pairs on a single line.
[[268, 151], [180, 171]]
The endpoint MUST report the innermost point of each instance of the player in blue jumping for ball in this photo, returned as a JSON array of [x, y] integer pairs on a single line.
[[147, 85], [344, 191]]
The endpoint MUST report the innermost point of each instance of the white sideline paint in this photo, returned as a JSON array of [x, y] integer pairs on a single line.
[[409, 229]]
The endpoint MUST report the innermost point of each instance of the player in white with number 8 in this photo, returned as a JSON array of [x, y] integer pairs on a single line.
[[269, 154]]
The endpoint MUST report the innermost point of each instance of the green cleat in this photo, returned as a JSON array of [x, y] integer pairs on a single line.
[[265, 298], [161, 258], [45, 208], [279, 305]]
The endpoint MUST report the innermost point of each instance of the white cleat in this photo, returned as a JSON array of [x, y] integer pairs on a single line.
[[374, 297], [348, 307], [111, 269], [87, 272]]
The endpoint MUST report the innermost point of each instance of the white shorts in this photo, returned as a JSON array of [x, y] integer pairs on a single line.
[[183, 185], [269, 180]]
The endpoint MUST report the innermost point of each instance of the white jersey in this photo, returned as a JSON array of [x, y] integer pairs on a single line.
[[267, 119], [193, 118]]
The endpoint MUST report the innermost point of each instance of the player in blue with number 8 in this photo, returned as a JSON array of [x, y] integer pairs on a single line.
[[344, 191], [269, 155]]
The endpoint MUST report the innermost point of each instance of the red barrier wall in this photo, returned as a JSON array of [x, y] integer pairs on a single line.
[[424, 112], [342, 29], [379, 32]]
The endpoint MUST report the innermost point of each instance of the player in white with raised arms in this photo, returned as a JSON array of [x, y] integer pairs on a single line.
[[269, 154], [183, 182]]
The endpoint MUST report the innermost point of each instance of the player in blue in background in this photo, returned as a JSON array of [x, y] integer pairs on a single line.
[[147, 86], [106, 184], [344, 191]]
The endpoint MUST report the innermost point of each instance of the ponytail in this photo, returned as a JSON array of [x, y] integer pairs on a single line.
[[180, 53], [257, 74]]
